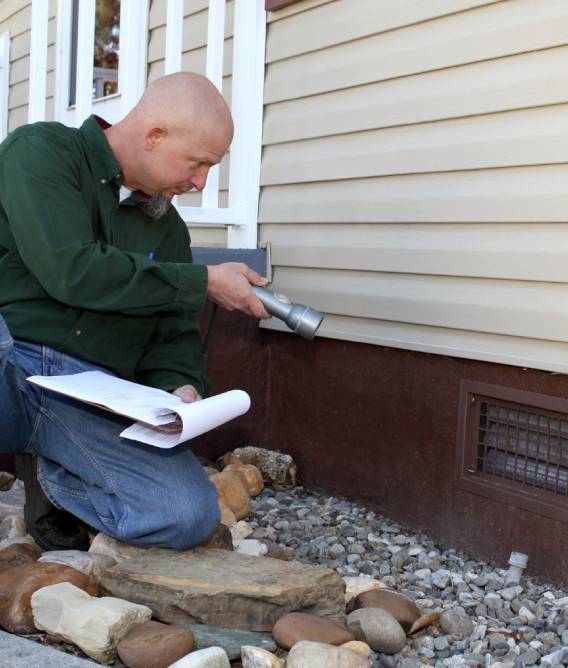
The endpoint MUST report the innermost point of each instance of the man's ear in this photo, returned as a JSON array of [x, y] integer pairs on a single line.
[[154, 136]]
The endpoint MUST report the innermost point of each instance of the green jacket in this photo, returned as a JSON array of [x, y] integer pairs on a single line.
[[76, 272]]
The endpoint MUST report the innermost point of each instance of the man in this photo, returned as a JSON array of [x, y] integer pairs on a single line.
[[89, 281]]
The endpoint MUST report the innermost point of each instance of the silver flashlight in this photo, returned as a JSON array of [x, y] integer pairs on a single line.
[[302, 320]]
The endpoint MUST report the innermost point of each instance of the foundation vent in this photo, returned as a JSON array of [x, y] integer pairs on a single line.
[[513, 446]]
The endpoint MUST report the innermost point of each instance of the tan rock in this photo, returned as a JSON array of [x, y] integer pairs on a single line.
[[251, 476], [19, 583], [358, 646], [202, 586], [241, 529], [18, 554], [297, 626], [155, 645], [228, 517], [424, 620], [402, 608], [96, 625], [308, 654], [355, 585], [257, 657], [232, 492]]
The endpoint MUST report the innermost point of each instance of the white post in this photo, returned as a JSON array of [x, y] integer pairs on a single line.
[[132, 52], [214, 72], [62, 58], [38, 61], [4, 82], [85, 55], [174, 36], [247, 108]]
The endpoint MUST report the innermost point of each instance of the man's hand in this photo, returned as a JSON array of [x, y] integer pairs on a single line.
[[229, 285], [187, 393]]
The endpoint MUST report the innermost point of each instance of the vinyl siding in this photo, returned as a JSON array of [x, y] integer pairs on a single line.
[[414, 173]]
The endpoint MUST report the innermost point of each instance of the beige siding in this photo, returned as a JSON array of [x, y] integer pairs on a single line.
[[414, 173], [15, 17]]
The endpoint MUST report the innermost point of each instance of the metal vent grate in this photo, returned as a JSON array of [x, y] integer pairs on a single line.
[[513, 446], [528, 447]]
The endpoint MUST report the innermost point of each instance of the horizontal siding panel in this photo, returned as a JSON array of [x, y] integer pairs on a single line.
[[528, 137], [18, 16], [158, 9], [527, 80], [194, 34], [501, 29], [19, 45], [525, 253], [19, 94], [17, 117], [303, 32], [296, 8], [545, 355], [212, 237], [511, 308], [516, 195]]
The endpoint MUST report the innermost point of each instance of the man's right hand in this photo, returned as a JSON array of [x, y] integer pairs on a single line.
[[229, 285]]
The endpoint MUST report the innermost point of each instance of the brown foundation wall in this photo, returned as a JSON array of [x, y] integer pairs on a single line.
[[379, 426]]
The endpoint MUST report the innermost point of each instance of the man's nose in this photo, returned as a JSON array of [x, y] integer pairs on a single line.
[[199, 179]]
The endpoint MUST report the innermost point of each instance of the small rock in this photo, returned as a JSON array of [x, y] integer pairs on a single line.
[[250, 546], [241, 529], [18, 554], [6, 481], [526, 615], [220, 539], [251, 476], [256, 657], [86, 562], [12, 526], [212, 657], [378, 628], [96, 625], [456, 623], [232, 492], [155, 645], [297, 626], [358, 646], [402, 608], [276, 468], [318, 655], [423, 621], [509, 593], [357, 585], [557, 657], [19, 583]]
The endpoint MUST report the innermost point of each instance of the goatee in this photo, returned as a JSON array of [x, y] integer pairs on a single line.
[[156, 206]]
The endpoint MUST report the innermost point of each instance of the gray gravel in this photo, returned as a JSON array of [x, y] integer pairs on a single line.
[[486, 621]]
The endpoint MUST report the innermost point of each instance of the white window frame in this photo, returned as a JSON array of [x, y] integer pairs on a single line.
[[4, 82], [132, 61]]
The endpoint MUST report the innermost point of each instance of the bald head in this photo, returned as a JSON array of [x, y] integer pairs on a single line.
[[185, 100], [180, 128]]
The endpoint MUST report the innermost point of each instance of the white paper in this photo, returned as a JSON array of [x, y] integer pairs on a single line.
[[164, 420]]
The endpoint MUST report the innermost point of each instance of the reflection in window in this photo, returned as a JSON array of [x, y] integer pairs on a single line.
[[106, 51]]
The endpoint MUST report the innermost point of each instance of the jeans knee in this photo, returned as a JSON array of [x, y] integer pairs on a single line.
[[6, 340], [178, 523]]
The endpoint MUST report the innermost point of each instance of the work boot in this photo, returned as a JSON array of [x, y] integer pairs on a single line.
[[50, 527]]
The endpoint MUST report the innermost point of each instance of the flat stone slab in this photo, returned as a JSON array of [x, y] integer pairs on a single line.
[[21, 653], [221, 588]]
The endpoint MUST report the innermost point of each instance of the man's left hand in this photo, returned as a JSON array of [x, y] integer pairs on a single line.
[[187, 393]]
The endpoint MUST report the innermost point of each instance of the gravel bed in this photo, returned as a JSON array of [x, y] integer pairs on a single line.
[[507, 625]]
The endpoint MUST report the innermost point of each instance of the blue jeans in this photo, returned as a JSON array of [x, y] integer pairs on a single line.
[[133, 492]]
